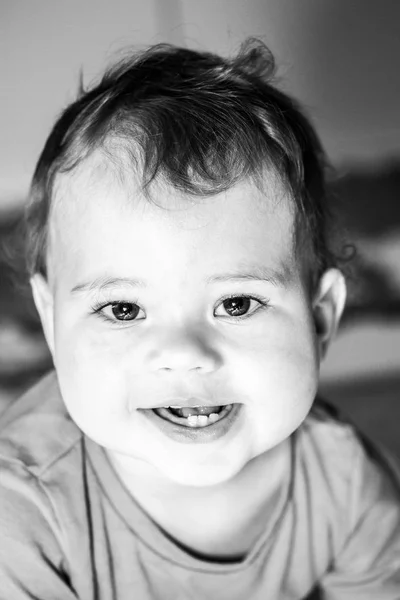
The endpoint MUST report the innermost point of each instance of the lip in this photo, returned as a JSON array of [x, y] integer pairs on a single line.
[[200, 435]]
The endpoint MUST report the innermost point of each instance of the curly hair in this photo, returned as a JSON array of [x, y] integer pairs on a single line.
[[200, 122]]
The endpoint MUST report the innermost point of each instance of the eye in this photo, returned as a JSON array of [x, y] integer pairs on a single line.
[[241, 306], [125, 311], [119, 311]]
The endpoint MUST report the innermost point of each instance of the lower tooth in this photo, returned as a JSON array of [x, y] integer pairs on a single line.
[[202, 420], [213, 417]]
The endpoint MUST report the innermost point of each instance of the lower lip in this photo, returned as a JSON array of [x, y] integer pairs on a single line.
[[182, 433]]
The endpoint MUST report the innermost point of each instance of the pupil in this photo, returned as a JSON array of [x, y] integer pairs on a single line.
[[124, 311], [238, 306]]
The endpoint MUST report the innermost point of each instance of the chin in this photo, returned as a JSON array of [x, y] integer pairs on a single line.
[[201, 475], [200, 480]]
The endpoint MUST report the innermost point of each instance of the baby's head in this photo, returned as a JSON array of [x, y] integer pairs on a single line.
[[178, 251]]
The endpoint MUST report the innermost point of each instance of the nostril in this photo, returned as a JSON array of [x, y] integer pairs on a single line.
[[179, 367], [185, 352]]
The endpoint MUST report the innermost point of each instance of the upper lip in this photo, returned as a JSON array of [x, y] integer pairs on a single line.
[[189, 402]]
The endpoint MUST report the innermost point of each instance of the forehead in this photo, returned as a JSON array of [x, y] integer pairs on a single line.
[[100, 211]]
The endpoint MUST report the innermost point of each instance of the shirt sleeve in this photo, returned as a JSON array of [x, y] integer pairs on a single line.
[[368, 565], [31, 558]]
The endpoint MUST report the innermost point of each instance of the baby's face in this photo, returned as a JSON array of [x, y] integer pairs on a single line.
[[200, 305]]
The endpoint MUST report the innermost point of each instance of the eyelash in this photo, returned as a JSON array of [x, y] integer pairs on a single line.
[[98, 310], [264, 303]]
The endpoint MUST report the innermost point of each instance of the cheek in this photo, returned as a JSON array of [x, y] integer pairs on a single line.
[[80, 347], [93, 372], [278, 377]]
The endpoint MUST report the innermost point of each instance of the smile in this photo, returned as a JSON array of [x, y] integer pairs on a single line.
[[194, 416], [195, 424]]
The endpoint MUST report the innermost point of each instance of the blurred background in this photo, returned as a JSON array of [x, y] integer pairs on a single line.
[[339, 58]]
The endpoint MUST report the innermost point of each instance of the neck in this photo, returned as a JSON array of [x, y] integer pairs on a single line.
[[223, 519]]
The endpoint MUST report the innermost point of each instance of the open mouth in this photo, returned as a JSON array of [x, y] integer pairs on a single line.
[[194, 416], [195, 424]]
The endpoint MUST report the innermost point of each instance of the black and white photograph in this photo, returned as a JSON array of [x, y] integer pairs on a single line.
[[200, 300]]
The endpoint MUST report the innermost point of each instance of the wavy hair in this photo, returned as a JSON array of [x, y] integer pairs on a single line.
[[200, 122]]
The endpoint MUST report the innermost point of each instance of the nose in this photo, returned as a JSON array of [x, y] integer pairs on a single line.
[[183, 351]]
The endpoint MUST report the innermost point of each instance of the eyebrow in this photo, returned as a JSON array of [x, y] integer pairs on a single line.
[[107, 283], [276, 277]]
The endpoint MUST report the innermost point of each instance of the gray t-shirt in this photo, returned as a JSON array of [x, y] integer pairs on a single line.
[[69, 529]]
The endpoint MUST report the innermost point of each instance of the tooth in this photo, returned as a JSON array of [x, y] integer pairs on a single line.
[[213, 417], [192, 420], [202, 420]]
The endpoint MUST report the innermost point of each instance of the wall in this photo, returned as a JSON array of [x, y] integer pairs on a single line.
[[337, 56], [44, 46]]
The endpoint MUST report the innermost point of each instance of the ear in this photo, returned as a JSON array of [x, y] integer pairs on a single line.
[[43, 298], [328, 304]]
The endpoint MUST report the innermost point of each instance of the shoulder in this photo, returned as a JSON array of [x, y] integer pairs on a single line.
[[338, 440], [355, 472], [39, 460], [35, 440], [36, 431], [352, 488], [328, 434], [328, 442]]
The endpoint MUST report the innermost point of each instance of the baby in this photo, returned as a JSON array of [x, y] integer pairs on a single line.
[[178, 248]]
